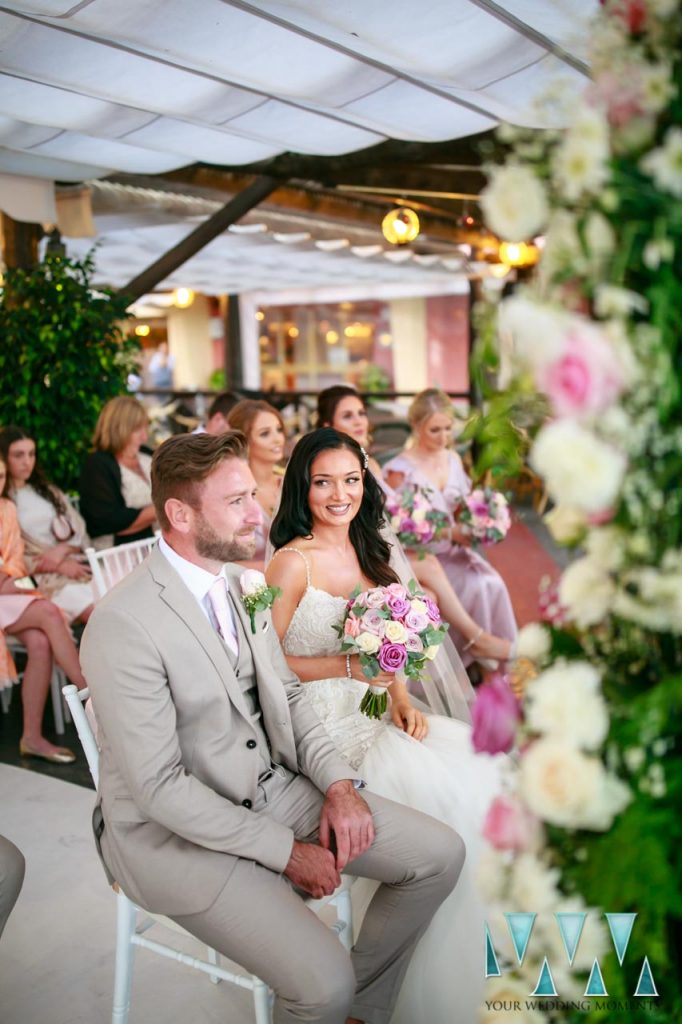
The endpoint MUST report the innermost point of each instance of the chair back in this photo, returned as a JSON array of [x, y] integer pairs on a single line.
[[76, 699], [110, 565]]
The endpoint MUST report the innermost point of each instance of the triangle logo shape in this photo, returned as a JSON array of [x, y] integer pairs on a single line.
[[646, 985], [620, 926], [545, 984], [571, 928], [595, 983], [492, 968], [520, 926]]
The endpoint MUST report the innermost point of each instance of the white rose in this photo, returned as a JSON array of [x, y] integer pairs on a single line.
[[665, 163], [395, 632], [533, 886], [514, 203], [610, 300], [368, 643], [419, 515], [510, 992], [606, 546], [565, 702], [533, 642], [566, 524], [565, 787], [491, 873], [418, 606], [579, 469], [587, 592], [580, 161], [251, 581], [395, 522], [536, 330]]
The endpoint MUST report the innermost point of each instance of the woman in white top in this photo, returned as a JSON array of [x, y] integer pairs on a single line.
[[54, 533]]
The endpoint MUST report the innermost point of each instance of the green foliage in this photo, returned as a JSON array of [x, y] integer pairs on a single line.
[[374, 379], [217, 380], [63, 355]]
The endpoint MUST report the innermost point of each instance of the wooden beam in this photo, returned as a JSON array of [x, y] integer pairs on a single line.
[[233, 210], [20, 242]]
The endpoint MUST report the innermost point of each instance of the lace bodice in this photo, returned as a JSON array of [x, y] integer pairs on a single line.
[[335, 700]]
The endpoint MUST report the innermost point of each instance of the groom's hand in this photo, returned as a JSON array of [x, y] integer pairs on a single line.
[[312, 869], [347, 816]]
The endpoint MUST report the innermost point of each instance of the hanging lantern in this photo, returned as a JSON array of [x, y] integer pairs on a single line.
[[400, 226], [518, 254]]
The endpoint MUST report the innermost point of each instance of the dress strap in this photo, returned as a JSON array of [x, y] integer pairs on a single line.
[[308, 576]]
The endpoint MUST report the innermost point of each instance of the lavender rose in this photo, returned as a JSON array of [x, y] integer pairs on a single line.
[[416, 621], [399, 606], [432, 609], [392, 657]]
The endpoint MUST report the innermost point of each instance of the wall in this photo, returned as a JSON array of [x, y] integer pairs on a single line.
[[190, 342]]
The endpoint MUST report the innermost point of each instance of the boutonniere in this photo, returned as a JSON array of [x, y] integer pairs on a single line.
[[257, 596]]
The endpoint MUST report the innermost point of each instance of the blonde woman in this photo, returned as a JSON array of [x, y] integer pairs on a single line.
[[263, 427], [341, 407], [430, 462], [115, 487]]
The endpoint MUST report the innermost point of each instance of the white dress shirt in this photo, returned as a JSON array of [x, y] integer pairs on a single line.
[[197, 580]]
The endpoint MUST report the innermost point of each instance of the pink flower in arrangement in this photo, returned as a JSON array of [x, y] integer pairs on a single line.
[[509, 825], [392, 657], [416, 621], [373, 622], [372, 598], [586, 378], [397, 589], [351, 626], [495, 716], [414, 643], [432, 609], [399, 606]]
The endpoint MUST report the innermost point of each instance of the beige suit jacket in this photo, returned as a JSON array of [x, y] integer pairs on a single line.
[[176, 765]]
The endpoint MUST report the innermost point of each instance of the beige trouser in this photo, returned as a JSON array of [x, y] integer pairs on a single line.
[[259, 920]]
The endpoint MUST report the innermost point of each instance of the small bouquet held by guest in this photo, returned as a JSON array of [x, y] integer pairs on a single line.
[[393, 629], [414, 519], [485, 515]]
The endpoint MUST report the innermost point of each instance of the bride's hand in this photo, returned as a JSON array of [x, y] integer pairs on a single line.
[[409, 719]]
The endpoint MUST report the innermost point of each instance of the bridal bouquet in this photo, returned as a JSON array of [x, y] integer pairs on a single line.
[[392, 629], [485, 514], [415, 521]]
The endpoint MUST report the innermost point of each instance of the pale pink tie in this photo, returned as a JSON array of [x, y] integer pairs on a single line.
[[217, 595]]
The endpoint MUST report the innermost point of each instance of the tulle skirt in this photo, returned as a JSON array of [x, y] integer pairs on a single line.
[[443, 777]]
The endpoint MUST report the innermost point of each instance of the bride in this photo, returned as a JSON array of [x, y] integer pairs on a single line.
[[327, 540]]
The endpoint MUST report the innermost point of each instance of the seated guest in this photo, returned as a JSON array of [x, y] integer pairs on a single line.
[[12, 868], [263, 427], [53, 531], [115, 486], [39, 625], [218, 413]]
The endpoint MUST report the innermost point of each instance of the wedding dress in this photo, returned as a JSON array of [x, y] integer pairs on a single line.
[[441, 776]]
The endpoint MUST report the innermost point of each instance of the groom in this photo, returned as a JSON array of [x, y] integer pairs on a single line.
[[221, 797]]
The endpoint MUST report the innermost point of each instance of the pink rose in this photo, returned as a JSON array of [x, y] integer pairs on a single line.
[[432, 609], [495, 716], [392, 657], [416, 621], [399, 606], [414, 643], [397, 589], [509, 825], [351, 626], [586, 378], [374, 598], [373, 622]]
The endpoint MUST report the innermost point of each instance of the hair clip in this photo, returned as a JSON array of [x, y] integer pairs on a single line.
[[365, 458]]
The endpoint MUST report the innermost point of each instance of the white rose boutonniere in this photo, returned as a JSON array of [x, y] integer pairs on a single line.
[[257, 596]]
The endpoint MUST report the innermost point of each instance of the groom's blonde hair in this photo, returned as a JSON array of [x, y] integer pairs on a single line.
[[182, 463]]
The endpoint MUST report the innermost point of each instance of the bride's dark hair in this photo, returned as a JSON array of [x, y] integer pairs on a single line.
[[294, 518]]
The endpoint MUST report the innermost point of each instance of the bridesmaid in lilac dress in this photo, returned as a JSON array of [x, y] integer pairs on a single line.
[[429, 463]]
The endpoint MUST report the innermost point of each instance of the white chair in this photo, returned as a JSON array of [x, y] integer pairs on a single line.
[[130, 933], [110, 565]]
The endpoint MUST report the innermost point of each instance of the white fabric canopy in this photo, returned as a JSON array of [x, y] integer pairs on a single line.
[[145, 86]]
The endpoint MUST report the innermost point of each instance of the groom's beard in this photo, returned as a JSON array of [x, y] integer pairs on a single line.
[[210, 544]]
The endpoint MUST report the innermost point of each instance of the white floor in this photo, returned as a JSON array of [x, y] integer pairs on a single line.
[[56, 954]]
